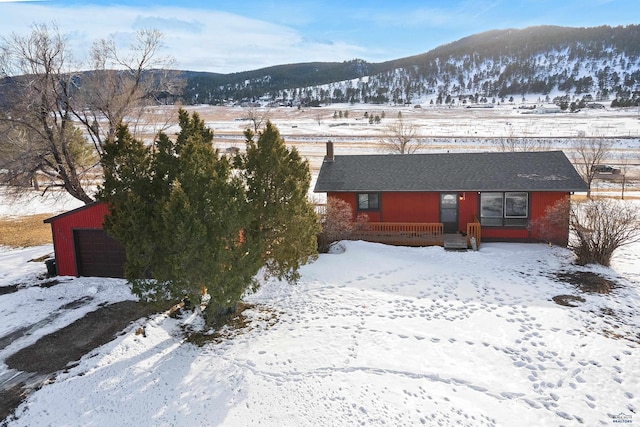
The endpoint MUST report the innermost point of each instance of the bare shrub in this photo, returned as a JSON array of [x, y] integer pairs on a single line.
[[337, 223], [512, 143], [600, 226]]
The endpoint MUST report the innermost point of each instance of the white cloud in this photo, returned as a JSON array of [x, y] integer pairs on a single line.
[[203, 40]]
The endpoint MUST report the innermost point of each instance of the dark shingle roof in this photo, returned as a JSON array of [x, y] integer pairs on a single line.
[[517, 171]]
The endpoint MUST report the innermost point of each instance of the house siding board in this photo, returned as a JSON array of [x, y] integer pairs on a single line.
[[505, 234], [467, 209], [423, 207], [540, 201], [410, 207], [397, 206], [62, 226], [539, 204]]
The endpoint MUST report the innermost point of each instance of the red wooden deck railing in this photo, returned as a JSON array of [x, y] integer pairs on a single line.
[[411, 234], [401, 233], [473, 230]]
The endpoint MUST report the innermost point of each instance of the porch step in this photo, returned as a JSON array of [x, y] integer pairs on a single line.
[[455, 242]]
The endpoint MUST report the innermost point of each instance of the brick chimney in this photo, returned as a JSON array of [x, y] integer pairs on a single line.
[[329, 156]]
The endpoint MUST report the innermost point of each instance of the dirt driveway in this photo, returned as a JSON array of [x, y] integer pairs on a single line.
[[39, 362]]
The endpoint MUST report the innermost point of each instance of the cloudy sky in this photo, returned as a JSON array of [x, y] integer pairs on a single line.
[[236, 35]]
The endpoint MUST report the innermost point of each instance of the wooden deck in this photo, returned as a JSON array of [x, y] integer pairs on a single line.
[[402, 233], [417, 234]]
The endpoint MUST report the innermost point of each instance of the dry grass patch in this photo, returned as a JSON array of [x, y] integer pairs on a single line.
[[25, 231]]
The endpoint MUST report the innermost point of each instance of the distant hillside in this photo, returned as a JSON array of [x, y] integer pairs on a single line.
[[600, 63], [211, 88]]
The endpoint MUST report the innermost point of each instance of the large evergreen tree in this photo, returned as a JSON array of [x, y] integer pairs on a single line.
[[284, 222], [189, 221], [129, 190], [181, 214]]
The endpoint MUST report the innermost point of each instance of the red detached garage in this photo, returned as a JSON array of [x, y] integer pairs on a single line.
[[82, 247]]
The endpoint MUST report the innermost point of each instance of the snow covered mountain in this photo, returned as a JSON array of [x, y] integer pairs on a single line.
[[594, 64]]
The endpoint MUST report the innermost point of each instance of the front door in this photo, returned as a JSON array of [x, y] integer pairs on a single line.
[[449, 212]]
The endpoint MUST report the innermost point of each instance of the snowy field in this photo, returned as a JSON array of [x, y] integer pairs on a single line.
[[372, 336], [441, 128]]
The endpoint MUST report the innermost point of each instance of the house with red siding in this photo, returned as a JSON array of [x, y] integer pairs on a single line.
[[492, 196], [82, 247]]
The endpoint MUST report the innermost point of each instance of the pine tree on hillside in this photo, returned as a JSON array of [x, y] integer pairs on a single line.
[[284, 222]]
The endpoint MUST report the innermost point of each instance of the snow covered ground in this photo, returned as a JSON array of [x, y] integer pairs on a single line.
[[34, 202], [373, 335]]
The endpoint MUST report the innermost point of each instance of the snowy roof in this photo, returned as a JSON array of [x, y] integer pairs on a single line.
[[502, 171]]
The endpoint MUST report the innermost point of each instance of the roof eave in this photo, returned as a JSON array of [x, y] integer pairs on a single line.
[[63, 214]]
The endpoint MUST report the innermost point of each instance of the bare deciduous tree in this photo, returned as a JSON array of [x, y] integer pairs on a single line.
[[512, 144], [588, 153], [39, 105], [49, 98], [601, 226], [401, 137], [624, 161], [257, 116]]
